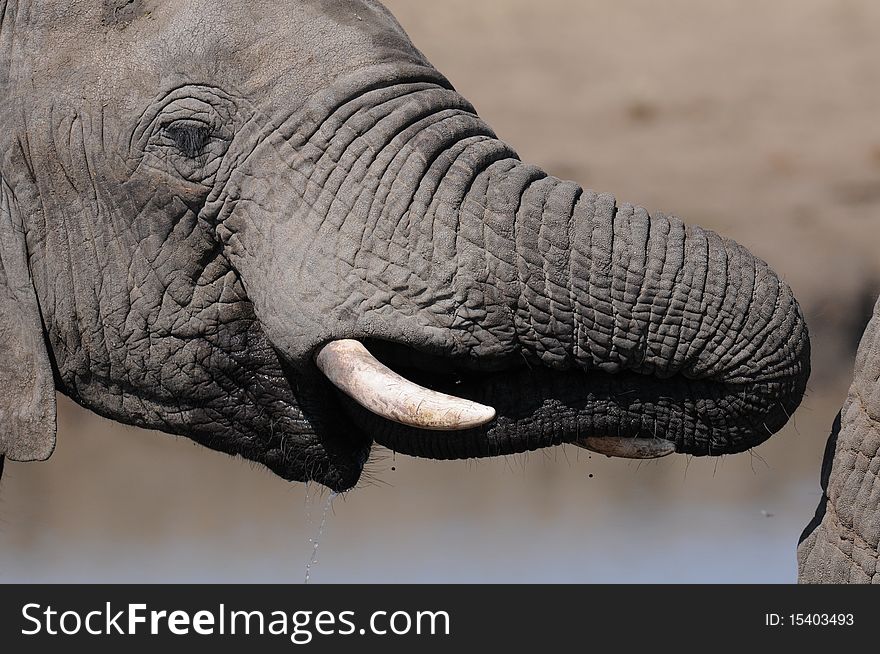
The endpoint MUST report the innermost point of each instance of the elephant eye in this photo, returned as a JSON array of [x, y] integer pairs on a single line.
[[190, 138]]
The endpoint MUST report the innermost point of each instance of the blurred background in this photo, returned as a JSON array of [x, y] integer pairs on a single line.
[[756, 119]]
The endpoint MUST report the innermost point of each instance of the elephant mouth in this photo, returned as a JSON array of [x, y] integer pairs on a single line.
[[623, 414]]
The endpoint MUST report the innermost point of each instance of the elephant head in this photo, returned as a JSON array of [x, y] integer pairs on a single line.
[[275, 228], [842, 542]]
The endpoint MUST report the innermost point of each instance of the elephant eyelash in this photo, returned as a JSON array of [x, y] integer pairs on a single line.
[[189, 138]]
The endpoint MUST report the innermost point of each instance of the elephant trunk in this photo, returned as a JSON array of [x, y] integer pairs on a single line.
[[479, 276], [630, 325], [842, 542]]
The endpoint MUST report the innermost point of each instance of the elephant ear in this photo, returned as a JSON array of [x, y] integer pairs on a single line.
[[27, 386]]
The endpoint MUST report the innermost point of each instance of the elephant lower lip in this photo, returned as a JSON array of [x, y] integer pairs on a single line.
[[541, 407]]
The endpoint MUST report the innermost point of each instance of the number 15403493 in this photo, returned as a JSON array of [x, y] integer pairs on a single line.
[[809, 620]]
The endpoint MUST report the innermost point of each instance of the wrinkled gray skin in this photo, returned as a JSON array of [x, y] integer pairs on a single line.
[[842, 542], [197, 195]]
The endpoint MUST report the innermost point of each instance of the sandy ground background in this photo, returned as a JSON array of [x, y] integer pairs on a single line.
[[756, 119]]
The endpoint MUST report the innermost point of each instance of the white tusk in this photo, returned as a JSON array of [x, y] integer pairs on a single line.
[[358, 374], [628, 448]]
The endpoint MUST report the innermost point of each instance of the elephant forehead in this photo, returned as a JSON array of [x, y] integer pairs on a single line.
[[271, 51]]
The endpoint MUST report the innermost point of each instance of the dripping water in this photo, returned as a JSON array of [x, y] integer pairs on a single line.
[[309, 502], [316, 541]]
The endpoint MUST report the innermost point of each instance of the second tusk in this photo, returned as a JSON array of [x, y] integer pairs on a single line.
[[628, 448]]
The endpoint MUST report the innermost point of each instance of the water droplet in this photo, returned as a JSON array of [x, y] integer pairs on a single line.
[[313, 560]]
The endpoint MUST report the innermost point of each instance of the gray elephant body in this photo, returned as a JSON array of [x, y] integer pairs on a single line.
[[842, 543], [197, 196]]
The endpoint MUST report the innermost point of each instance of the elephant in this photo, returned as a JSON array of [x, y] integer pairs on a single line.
[[275, 228], [841, 544]]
